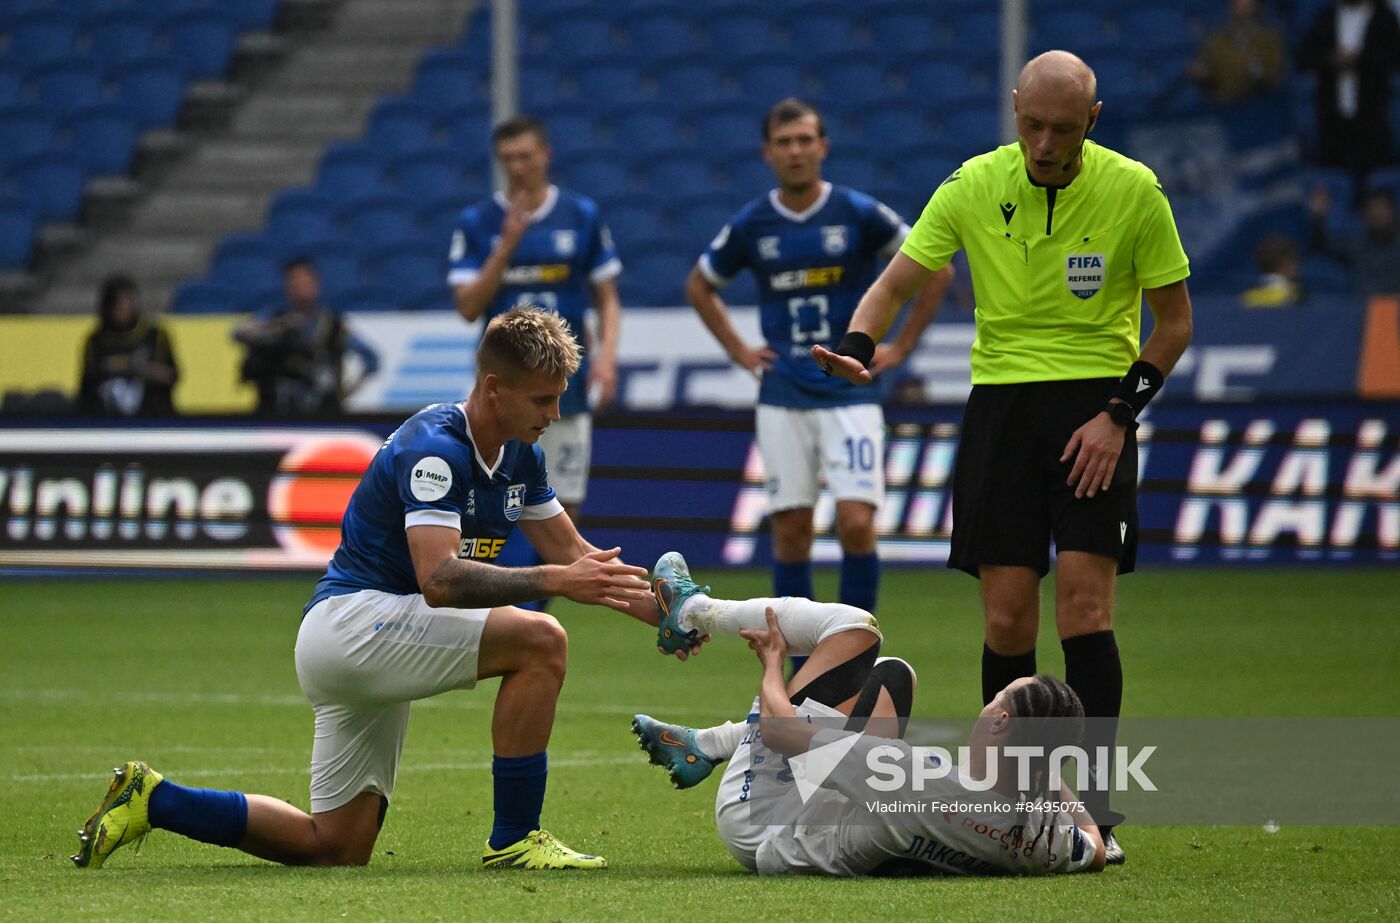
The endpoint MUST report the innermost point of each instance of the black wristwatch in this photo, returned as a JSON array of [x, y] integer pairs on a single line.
[[1122, 414]]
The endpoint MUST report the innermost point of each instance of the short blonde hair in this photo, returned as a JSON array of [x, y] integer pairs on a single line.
[[527, 338]]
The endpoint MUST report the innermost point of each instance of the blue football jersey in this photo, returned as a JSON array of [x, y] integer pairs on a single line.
[[812, 269], [429, 472], [566, 248]]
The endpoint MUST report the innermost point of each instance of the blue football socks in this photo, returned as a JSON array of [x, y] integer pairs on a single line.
[[519, 796], [204, 814], [860, 580]]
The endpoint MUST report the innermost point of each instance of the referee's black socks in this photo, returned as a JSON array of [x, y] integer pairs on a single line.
[[1000, 670], [1094, 671]]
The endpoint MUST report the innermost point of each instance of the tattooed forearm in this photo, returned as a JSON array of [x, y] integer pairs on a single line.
[[464, 584]]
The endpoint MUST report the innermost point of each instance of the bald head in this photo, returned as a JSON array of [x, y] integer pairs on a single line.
[[1055, 109], [1060, 74]]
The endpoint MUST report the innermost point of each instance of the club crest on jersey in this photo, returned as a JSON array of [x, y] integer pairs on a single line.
[[565, 242], [515, 501], [768, 248], [1084, 273], [834, 239]]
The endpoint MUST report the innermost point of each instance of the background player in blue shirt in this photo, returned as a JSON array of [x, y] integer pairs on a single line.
[[539, 244], [410, 607], [812, 247]]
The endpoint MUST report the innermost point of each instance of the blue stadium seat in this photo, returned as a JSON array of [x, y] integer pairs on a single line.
[[909, 31], [570, 37], [12, 81], [767, 80], [1078, 30], [364, 298], [699, 220], [852, 84], [975, 33], [66, 84], [16, 231], [349, 169], [741, 35], [922, 173], [153, 87], [691, 82], [438, 216], [540, 86], [634, 226], [573, 132], [105, 137], [1158, 28], [852, 170], [410, 266], [655, 276], [338, 263], [610, 84], [446, 77], [727, 132], [25, 129], [200, 296], [245, 263], [202, 41], [421, 175], [661, 36], [467, 130], [123, 35], [895, 125], [299, 216], [1121, 84], [437, 297], [400, 124], [936, 78], [41, 35], [970, 131], [380, 220], [595, 173], [820, 37], [52, 181], [670, 177], [642, 132], [748, 176], [254, 14]]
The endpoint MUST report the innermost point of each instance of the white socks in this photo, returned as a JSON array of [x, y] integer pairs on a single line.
[[804, 622], [719, 743]]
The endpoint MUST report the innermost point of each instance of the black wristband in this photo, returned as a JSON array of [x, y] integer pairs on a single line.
[[1140, 385], [857, 345]]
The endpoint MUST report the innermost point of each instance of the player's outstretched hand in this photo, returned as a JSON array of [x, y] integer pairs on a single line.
[[847, 367], [1095, 448], [600, 578], [769, 644], [887, 356]]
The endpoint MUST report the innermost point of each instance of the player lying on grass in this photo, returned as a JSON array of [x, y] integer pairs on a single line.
[[410, 607], [845, 680]]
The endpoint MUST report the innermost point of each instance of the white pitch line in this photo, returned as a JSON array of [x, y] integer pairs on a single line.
[[485, 764], [455, 702]]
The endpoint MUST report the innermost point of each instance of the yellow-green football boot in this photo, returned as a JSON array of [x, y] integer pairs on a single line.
[[539, 850], [120, 818]]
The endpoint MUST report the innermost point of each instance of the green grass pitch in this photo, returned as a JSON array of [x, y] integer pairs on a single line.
[[196, 677]]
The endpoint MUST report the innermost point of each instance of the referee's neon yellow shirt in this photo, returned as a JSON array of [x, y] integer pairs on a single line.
[[1058, 285]]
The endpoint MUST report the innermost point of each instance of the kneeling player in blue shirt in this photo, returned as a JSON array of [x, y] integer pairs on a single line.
[[410, 607]]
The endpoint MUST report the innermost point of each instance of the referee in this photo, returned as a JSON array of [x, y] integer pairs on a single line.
[[1063, 238]]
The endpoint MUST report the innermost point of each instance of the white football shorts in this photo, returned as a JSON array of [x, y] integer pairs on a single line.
[[755, 771], [361, 659], [568, 447], [845, 446]]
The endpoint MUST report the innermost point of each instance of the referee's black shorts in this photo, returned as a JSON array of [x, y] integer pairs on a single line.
[[1009, 492]]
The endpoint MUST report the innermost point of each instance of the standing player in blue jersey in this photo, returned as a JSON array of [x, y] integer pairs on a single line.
[[539, 244], [410, 607], [813, 248]]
